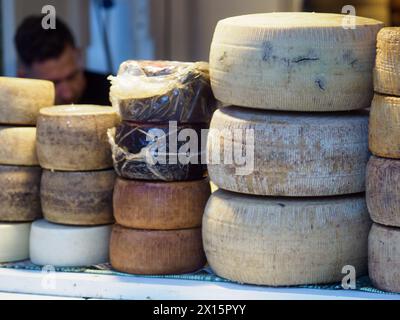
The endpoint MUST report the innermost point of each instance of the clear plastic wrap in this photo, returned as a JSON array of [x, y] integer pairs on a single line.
[[162, 91], [154, 152]]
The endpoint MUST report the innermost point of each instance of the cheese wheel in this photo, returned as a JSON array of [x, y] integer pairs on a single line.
[[14, 242], [160, 152], [67, 246], [18, 146], [384, 128], [20, 193], [384, 258], [294, 61], [382, 191], [78, 198], [387, 67], [74, 138], [287, 154], [156, 252], [160, 205], [285, 241], [22, 99]]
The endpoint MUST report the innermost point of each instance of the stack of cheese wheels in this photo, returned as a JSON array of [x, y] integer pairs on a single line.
[[291, 208], [159, 199], [383, 171], [20, 102], [76, 186]]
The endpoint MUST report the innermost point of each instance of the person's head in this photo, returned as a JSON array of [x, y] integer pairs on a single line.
[[50, 54]]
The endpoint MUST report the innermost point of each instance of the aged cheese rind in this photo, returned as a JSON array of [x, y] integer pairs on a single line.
[[302, 154], [20, 193], [74, 138], [294, 62], [18, 146], [78, 198], [14, 242], [68, 246], [384, 128], [160, 205], [156, 252], [283, 241], [22, 99], [384, 258]]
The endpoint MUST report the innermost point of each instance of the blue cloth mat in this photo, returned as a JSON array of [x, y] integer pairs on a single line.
[[206, 274]]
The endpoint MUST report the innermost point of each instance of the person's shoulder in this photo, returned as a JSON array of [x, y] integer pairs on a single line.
[[96, 77]]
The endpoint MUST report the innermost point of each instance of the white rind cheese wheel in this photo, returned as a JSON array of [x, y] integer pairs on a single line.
[[302, 154], [281, 241], [384, 258], [22, 99], [294, 61], [14, 242], [74, 138], [66, 246], [18, 146], [384, 127], [20, 194], [387, 67]]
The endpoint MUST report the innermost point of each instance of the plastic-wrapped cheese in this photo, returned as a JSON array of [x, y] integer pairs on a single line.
[[20, 193], [285, 241], [22, 99], [74, 138], [156, 252], [78, 198], [68, 246], [160, 205], [288, 154], [387, 67], [18, 146], [384, 127], [14, 242], [294, 61]]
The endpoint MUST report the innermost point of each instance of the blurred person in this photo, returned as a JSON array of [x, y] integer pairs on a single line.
[[51, 54]]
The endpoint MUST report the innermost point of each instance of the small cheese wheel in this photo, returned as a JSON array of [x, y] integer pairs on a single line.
[[78, 198], [384, 127], [285, 241], [14, 242], [67, 246], [18, 146], [20, 193], [294, 61], [156, 252], [384, 258], [22, 99], [160, 205], [383, 191], [387, 67], [287, 154], [74, 138]]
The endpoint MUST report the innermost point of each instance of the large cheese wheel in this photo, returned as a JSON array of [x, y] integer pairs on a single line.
[[160, 205], [160, 152], [302, 154], [384, 257], [20, 193], [285, 241], [383, 193], [14, 241], [21, 99], [156, 252], [74, 138], [294, 61], [67, 246], [18, 146], [387, 67], [384, 127], [78, 198]]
